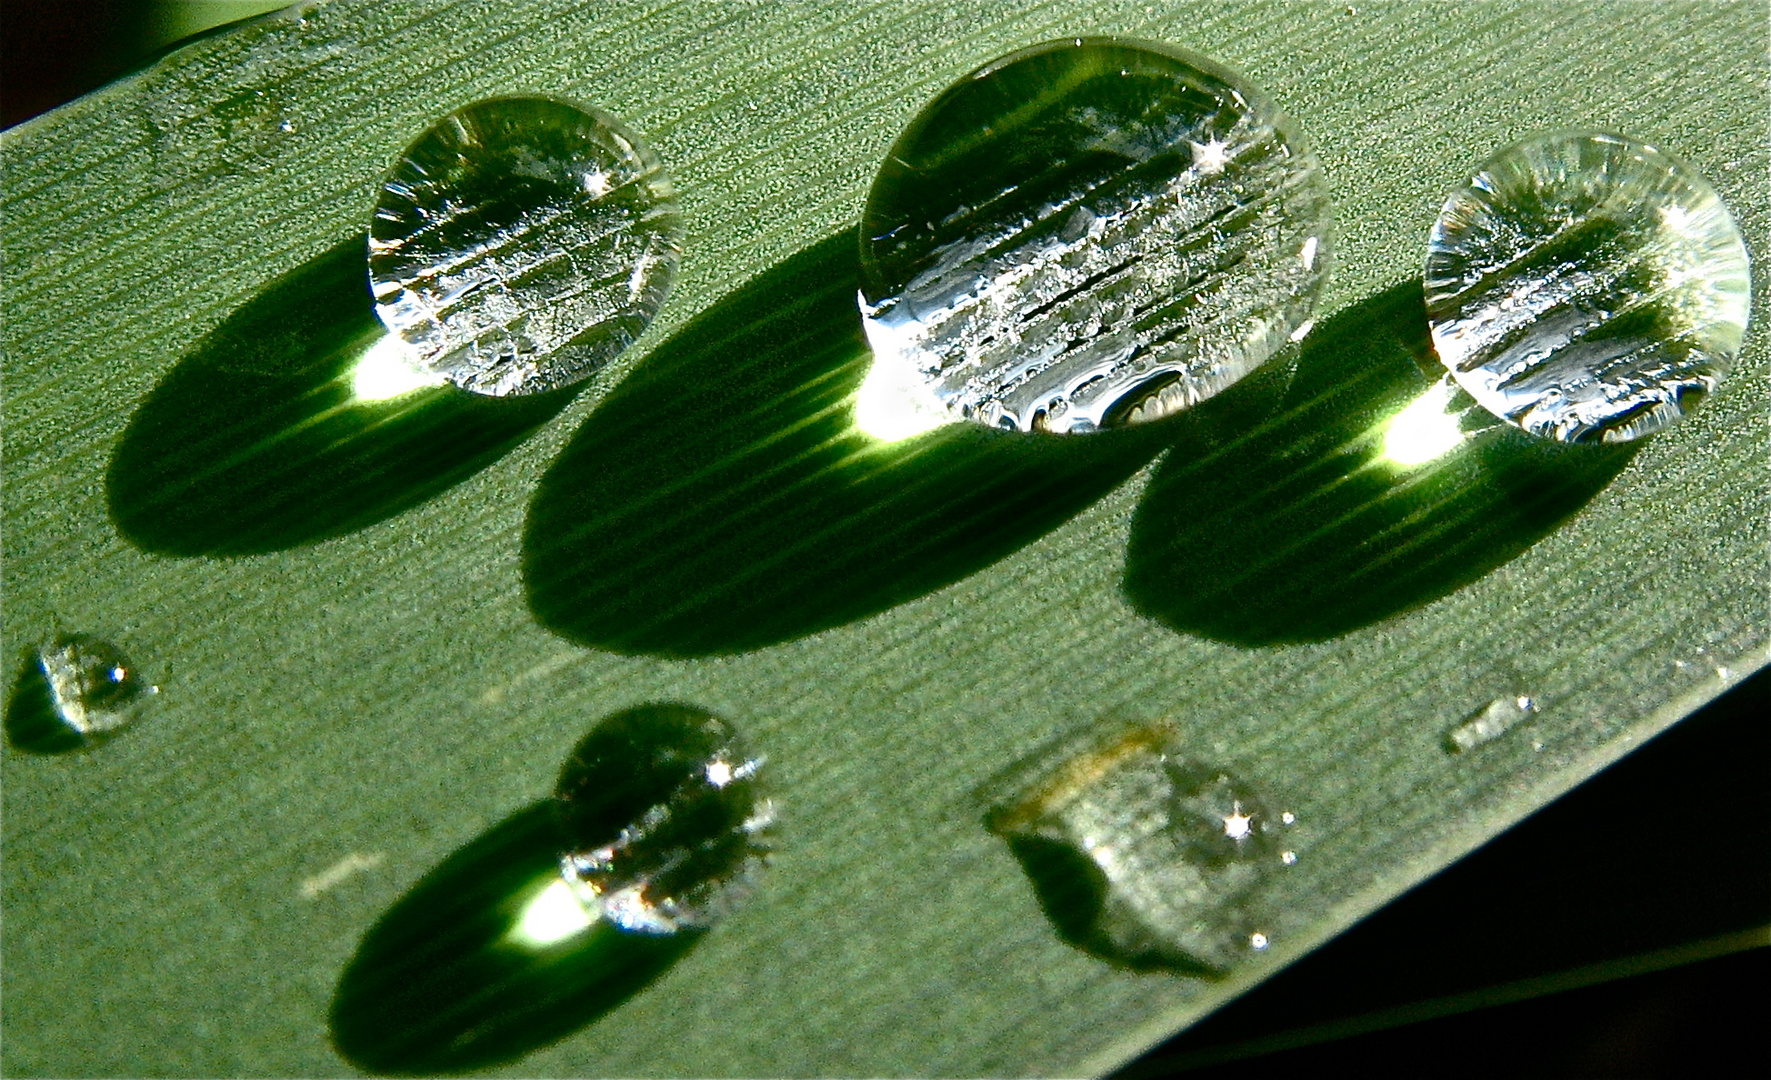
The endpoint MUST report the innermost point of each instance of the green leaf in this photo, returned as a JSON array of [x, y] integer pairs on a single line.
[[347, 709]]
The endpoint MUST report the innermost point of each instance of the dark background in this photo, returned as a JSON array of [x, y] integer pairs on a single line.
[[1652, 864]]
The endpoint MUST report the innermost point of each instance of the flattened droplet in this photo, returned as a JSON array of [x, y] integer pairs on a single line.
[[665, 825], [1140, 855], [522, 243], [1586, 287], [1085, 233], [76, 691], [1490, 722]]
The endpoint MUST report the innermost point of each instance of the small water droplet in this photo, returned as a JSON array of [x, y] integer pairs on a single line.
[[76, 691], [665, 825], [1586, 287], [1258, 941], [1140, 855], [522, 243], [1490, 722], [1087, 233]]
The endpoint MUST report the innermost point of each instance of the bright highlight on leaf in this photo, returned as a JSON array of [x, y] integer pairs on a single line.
[[1424, 430], [387, 370], [552, 916], [893, 404]]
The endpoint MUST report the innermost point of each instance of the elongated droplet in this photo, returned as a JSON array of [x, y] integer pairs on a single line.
[[1088, 232], [521, 243], [664, 822], [77, 691], [1140, 855], [1490, 722], [1586, 287]]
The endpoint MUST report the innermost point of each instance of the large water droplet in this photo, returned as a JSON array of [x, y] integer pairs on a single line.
[[1088, 232], [1140, 855], [521, 243], [1586, 287], [76, 691], [665, 823]]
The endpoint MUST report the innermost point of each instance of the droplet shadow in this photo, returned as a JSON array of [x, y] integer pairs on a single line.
[[32, 723], [1300, 530], [460, 974], [722, 499], [257, 440]]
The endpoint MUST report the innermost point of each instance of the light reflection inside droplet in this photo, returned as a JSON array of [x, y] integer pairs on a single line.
[[1424, 430], [552, 916], [389, 369]]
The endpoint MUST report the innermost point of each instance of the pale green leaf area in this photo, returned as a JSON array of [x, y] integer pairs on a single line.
[[387, 694]]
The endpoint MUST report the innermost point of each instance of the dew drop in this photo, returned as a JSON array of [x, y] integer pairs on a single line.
[[1586, 287], [522, 243], [665, 825], [1085, 233], [1490, 722], [76, 691], [1140, 855]]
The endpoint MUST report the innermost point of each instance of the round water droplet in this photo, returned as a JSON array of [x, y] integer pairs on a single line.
[[663, 819], [1586, 287], [76, 691], [521, 243], [1089, 232]]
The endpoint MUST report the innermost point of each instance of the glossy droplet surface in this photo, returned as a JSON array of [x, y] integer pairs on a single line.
[[521, 243], [1090, 232], [1140, 854], [76, 691], [664, 822], [1586, 287], [1490, 722]]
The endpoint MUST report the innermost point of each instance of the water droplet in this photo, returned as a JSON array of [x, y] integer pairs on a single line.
[[1490, 722], [665, 824], [522, 243], [1140, 855], [76, 691], [1586, 287], [1258, 941], [1086, 233]]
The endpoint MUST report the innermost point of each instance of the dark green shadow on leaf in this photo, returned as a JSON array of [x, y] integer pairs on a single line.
[[32, 724], [446, 981], [256, 441], [722, 498], [1298, 529]]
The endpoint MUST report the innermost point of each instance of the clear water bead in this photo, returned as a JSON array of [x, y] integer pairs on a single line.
[[1141, 855], [664, 822], [1586, 287], [91, 689], [1090, 232], [522, 243]]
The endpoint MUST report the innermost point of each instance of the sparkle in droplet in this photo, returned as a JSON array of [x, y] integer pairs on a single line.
[[1587, 287], [1086, 233], [521, 243]]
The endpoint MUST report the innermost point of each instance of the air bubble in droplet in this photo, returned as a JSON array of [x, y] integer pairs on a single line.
[[521, 243], [1085, 233], [1586, 287], [1140, 855], [664, 823], [77, 691]]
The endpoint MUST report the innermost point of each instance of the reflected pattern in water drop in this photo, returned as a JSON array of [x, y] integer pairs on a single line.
[[1141, 855], [1490, 722], [665, 824], [1088, 232], [522, 243], [1586, 287], [76, 691]]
